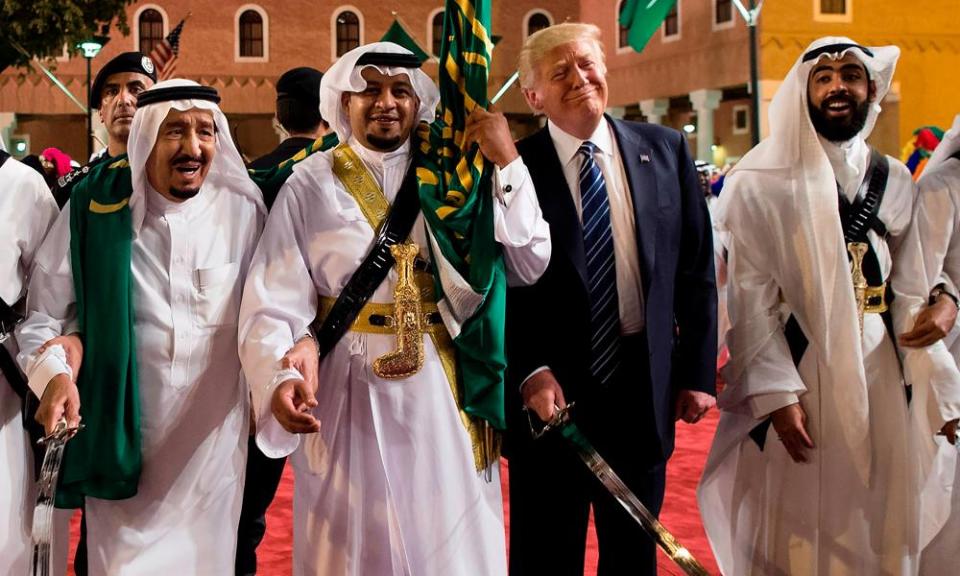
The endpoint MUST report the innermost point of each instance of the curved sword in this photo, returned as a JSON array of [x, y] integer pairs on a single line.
[[46, 490], [563, 423]]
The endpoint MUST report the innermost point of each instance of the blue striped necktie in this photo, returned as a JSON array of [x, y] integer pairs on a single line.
[[601, 268]]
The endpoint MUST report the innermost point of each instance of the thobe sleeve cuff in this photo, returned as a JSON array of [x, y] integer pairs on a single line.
[[45, 367], [763, 405], [272, 439], [531, 375]]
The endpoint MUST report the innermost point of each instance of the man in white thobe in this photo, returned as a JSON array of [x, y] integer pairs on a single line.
[[389, 484], [194, 218], [810, 469], [936, 406], [27, 210]]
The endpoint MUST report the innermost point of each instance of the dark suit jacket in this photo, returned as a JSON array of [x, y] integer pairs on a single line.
[[548, 323]]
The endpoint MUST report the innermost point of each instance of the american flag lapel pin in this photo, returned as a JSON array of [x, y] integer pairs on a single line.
[[644, 158]]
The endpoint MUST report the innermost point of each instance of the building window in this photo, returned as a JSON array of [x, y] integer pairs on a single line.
[[833, 10], [671, 24], [436, 33], [251, 35], [741, 119], [723, 12], [150, 27], [833, 6], [347, 32], [536, 22], [622, 38]]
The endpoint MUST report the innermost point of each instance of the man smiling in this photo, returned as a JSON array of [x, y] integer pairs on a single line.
[[390, 442], [146, 265], [634, 267], [810, 470]]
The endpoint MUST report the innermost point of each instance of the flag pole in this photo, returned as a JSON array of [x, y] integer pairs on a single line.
[[506, 86]]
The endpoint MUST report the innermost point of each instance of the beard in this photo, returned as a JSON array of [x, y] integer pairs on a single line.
[[185, 193], [839, 129], [385, 143]]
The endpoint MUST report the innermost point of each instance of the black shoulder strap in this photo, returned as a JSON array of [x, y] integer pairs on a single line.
[[8, 320], [375, 267], [65, 184], [856, 220], [862, 215], [3, 157]]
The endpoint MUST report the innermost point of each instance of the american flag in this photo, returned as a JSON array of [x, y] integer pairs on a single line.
[[164, 54]]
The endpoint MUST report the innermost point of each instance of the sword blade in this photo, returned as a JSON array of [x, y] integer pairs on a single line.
[[619, 490], [42, 531]]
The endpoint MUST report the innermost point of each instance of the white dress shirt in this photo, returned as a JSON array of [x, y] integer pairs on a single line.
[[626, 252]]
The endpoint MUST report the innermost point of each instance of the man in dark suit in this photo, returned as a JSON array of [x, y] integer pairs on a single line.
[[623, 321]]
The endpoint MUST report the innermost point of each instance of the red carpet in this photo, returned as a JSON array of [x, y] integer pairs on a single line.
[[680, 513]]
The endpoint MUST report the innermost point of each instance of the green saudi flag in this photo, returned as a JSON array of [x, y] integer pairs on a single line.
[[397, 34], [643, 17], [457, 201]]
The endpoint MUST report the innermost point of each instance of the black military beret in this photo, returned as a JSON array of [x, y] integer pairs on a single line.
[[126, 62], [302, 84]]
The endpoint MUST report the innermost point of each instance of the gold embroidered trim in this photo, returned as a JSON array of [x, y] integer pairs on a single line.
[[98, 208], [360, 183]]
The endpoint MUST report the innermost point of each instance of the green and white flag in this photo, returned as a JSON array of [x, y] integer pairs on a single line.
[[455, 193], [643, 17]]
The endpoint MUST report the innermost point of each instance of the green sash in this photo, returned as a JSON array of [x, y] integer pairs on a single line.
[[104, 460], [269, 180]]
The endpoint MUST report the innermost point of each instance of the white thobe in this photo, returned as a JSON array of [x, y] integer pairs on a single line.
[[764, 513], [27, 210], [188, 266], [938, 220], [389, 485]]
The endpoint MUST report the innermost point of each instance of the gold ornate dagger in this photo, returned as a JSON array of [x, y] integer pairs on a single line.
[[857, 251], [407, 359]]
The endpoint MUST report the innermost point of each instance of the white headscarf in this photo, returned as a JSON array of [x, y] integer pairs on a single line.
[[227, 171], [947, 147], [345, 76], [817, 283]]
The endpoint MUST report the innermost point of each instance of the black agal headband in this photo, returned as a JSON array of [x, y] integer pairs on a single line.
[[169, 93], [834, 49], [389, 59]]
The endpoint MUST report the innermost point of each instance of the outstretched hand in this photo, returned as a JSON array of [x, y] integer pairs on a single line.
[[292, 403]]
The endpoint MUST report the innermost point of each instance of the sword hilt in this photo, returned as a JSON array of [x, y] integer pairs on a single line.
[[560, 417], [61, 432]]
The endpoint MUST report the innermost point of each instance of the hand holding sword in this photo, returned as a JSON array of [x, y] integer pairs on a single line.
[[42, 532], [562, 422]]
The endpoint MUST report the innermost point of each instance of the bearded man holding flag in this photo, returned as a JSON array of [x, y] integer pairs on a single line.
[[395, 243]]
